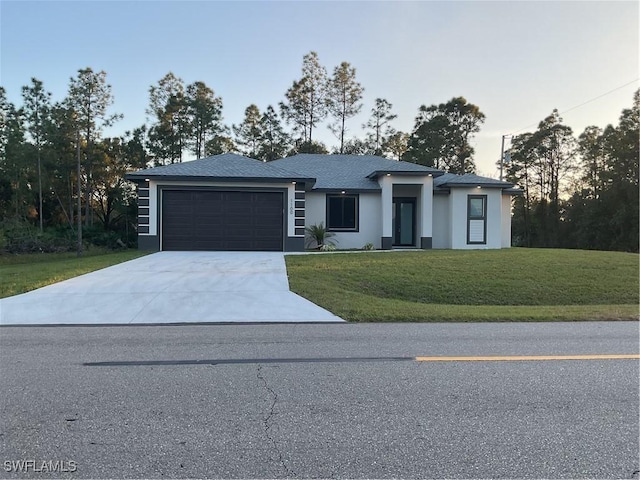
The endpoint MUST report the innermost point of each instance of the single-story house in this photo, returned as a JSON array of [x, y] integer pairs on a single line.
[[231, 202]]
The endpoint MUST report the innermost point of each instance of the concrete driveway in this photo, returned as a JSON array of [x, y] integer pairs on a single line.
[[170, 287]]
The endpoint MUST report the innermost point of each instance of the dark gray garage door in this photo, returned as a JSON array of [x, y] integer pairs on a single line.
[[217, 220]]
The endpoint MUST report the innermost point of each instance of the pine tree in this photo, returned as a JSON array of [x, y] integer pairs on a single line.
[[37, 107], [379, 129], [90, 97], [442, 136], [306, 104], [168, 106], [344, 95], [275, 142], [249, 133], [204, 116]]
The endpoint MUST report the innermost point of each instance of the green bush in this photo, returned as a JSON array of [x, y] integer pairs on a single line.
[[318, 236], [98, 236], [22, 237], [18, 236]]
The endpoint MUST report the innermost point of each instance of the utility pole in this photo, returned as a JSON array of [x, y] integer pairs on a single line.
[[79, 193], [39, 183], [502, 156]]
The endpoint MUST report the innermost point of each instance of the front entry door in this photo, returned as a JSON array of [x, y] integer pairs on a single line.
[[404, 222]]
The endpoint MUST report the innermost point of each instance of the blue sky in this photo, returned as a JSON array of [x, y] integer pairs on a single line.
[[516, 60]]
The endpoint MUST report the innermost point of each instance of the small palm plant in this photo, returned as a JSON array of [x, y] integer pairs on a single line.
[[317, 236]]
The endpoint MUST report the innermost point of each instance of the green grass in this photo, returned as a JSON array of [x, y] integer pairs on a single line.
[[439, 285], [22, 273], [482, 285]]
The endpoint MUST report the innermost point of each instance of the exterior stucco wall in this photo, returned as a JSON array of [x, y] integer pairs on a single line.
[[506, 221], [440, 218], [369, 219], [441, 221], [386, 208], [458, 199]]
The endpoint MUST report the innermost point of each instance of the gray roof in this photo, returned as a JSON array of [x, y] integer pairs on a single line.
[[349, 172], [328, 172], [227, 166], [469, 180]]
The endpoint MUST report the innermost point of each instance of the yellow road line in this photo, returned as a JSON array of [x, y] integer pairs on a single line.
[[516, 358]]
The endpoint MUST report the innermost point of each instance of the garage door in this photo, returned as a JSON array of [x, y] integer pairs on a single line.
[[218, 220]]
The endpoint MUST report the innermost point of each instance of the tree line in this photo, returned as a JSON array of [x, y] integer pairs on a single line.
[[59, 175], [578, 192]]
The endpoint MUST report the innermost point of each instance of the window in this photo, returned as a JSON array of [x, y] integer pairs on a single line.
[[476, 219], [342, 212]]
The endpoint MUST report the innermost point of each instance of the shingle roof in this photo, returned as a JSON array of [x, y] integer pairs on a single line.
[[349, 172], [469, 179], [227, 166], [329, 172]]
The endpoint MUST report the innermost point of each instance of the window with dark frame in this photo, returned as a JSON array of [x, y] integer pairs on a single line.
[[476, 219], [342, 212]]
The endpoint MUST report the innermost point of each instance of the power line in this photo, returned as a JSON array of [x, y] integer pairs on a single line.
[[502, 153], [582, 104]]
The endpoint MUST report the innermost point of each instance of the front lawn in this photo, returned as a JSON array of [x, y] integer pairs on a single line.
[[22, 273], [515, 284]]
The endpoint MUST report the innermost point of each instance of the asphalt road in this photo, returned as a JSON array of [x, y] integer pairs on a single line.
[[319, 401]]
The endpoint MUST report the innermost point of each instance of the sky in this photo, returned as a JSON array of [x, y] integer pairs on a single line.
[[515, 60]]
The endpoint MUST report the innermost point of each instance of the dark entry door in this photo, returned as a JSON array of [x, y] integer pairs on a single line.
[[222, 220], [404, 222]]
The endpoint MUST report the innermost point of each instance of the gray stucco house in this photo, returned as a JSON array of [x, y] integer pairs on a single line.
[[231, 202]]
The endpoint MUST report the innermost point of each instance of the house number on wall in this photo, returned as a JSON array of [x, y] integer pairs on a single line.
[[291, 206]]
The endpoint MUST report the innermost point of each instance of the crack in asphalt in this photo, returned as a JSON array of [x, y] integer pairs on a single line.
[[267, 422]]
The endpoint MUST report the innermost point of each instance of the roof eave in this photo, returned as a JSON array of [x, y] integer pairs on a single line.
[[134, 177], [346, 190], [475, 184], [404, 173]]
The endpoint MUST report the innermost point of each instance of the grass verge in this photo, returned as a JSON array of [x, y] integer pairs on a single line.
[[22, 273], [451, 285]]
